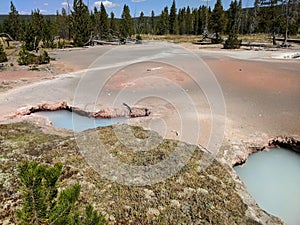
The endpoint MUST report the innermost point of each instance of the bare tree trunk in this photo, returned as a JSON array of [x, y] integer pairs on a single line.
[[287, 23], [274, 38]]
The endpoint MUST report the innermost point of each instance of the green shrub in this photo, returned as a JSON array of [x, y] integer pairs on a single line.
[[61, 44], [25, 57], [3, 56], [138, 37], [42, 203], [43, 58], [232, 42]]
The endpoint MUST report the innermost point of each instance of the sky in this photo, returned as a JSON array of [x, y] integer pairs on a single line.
[[136, 6]]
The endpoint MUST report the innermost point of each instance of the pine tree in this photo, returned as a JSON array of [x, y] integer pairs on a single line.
[[290, 12], [29, 37], [245, 20], [173, 23], [95, 21], [80, 23], [181, 21], [188, 21], [34, 31], [92, 217], [141, 24], [49, 32], [166, 16], [113, 23], [233, 13], [271, 19], [294, 17], [239, 17], [40, 195], [233, 25], [104, 23], [126, 22], [163, 23], [202, 13], [152, 23], [217, 21], [12, 25], [254, 17], [38, 24], [43, 204], [62, 25], [195, 21]]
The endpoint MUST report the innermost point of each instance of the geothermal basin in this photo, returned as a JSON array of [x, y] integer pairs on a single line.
[[272, 178]]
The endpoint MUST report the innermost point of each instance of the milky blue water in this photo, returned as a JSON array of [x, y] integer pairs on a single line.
[[273, 180], [69, 120]]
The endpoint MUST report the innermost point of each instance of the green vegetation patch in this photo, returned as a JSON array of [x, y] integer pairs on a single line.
[[3, 56], [25, 138], [42, 203], [193, 196], [27, 58], [232, 42]]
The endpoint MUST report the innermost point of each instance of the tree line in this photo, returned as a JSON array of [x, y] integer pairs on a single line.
[[266, 16]]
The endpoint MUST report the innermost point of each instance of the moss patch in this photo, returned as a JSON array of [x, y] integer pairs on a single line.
[[192, 196]]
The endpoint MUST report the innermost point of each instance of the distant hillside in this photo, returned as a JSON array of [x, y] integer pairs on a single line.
[[2, 17], [25, 17]]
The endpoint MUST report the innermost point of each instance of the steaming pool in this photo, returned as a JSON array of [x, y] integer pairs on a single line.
[[273, 180]]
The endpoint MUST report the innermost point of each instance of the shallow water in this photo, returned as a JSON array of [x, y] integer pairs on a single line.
[[69, 120], [273, 180]]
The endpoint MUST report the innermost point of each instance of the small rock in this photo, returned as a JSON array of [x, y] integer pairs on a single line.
[[212, 177], [186, 192], [153, 212], [202, 191], [112, 218], [175, 203], [180, 180], [149, 193]]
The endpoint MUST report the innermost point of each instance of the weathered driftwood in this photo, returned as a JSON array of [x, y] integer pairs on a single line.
[[100, 42]]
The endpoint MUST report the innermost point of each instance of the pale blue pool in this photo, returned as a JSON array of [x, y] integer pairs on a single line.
[[69, 120], [273, 180]]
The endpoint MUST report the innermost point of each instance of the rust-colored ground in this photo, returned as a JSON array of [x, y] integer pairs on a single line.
[[261, 93], [23, 75], [255, 75]]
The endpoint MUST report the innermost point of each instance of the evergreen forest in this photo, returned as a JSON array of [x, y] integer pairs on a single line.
[[77, 25]]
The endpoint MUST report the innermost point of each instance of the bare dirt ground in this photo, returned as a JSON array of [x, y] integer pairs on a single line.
[[65, 61], [262, 95]]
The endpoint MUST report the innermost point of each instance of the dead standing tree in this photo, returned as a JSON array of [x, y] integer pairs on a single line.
[[286, 11], [8, 38]]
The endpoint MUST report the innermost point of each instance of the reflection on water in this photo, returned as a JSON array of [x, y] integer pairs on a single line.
[[273, 180], [69, 120]]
